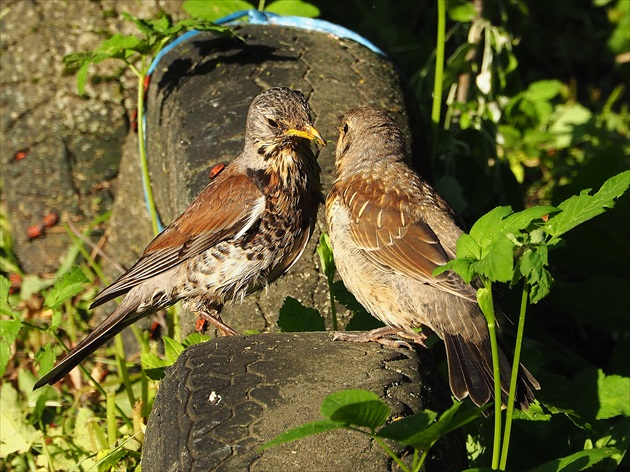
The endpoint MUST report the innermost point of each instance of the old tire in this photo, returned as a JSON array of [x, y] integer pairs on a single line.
[[224, 398]]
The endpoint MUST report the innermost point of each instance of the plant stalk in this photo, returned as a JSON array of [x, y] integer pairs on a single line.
[[515, 368], [438, 77], [144, 164], [490, 318]]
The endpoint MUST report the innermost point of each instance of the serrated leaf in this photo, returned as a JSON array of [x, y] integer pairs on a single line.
[[214, 9], [497, 261], [467, 247], [45, 358], [486, 228], [370, 414], [66, 287], [172, 350], [580, 208], [153, 365], [448, 421], [303, 431], [582, 460], [462, 267], [613, 394], [403, 429], [293, 8], [522, 219], [195, 338], [295, 317], [16, 434], [340, 399]]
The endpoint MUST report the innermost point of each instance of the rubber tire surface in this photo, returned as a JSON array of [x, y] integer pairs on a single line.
[[226, 397]]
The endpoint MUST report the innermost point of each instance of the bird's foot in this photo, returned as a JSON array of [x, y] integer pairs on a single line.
[[215, 320], [380, 335]]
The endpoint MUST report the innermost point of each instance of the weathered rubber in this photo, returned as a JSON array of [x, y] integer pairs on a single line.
[[225, 398]]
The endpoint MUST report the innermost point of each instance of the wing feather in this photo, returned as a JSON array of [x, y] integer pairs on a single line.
[[389, 229], [218, 213]]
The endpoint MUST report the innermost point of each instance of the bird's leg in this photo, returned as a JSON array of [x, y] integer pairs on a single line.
[[212, 316], [379, 335]]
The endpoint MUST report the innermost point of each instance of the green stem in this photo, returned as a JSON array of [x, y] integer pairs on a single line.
[[144, 164], [515, 368], [112, 430], [391, 454], [488, 311], [420, 463], [333, 308], [122, 368], [96, 385], [438, 78]]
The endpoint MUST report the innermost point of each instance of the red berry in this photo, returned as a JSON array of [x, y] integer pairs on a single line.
[[35, 231], [21, 154], [50, 220]]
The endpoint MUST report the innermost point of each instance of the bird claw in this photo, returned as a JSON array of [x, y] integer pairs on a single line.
[[379, 335], [215, 320]]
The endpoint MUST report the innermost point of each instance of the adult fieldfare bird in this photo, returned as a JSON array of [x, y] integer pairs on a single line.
[[246, 228], [389, 230]]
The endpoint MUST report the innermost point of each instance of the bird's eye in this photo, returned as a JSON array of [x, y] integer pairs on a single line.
[[345, 127], [273, 123]]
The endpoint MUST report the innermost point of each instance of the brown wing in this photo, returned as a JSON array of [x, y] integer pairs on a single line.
[[388, 228], [226, 208]]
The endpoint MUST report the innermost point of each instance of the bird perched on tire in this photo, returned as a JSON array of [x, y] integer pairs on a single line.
[[389, 230], [246, 228]]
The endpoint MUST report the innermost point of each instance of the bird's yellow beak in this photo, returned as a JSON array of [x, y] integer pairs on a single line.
[[310, 133]]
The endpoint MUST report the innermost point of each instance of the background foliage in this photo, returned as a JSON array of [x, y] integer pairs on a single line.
[[536, 110]]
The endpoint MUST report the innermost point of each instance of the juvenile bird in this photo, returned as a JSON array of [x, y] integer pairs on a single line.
[[246, 228], [389, 230]]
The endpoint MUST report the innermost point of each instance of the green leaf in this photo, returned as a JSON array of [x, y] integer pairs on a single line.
[[566, 119], [543, 90], [582, 460], [195, 338], [405, 428], [578, 209], [45, 358], [172, 349], [214, 9], [66, 287], [370, 414], [423, 437], [613, 391], [522, 219], [337, 400], [303, 431], [293, 8], [462, 267], [461, 10], [497, 262], [324, 251], [16, 434], [489, 226], [295, 317], [153, 365], [468, 247]]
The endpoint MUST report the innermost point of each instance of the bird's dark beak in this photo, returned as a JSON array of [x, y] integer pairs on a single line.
[[309, 133]]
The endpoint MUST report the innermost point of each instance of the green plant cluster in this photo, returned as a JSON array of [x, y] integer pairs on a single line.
[[532, 111]]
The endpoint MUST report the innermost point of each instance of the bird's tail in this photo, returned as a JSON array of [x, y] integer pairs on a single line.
[[124, 315], [471, 374]]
